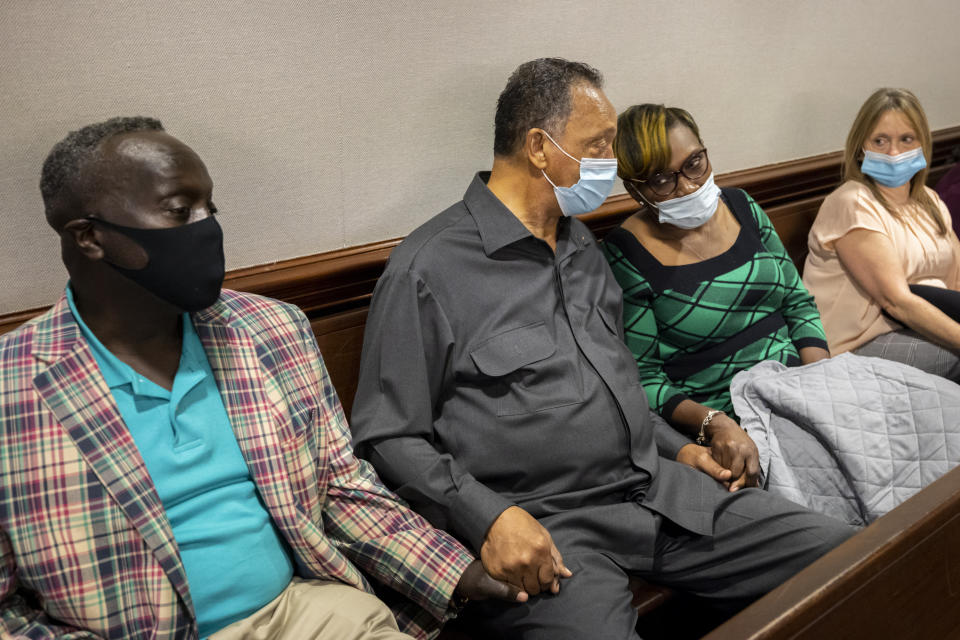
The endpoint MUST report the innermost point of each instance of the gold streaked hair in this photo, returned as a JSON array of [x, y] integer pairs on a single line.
[[881, 101], [641, 145]]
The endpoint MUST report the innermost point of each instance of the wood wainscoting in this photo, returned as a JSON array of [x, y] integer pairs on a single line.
[[334, 288]]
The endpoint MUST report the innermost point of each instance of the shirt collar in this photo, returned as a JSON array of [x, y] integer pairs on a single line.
[[499, 227]]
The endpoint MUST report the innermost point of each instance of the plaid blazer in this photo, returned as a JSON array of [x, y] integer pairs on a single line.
[[86, 549]]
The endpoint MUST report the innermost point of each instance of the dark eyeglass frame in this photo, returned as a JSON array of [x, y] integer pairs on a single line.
[[676, 174]]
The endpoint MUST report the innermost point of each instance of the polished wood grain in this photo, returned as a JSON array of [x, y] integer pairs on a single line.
[[898, 578]]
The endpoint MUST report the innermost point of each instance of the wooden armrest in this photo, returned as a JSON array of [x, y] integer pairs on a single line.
[[898, 578]]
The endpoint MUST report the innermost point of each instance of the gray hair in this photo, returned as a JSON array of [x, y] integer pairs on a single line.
[[537, 95]]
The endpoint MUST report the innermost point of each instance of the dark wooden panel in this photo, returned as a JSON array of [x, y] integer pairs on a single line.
[[10, 321], [648, 597], [335, 281], [340, 334], [898, 578], [792, 222], [324, 283], [340, 337]]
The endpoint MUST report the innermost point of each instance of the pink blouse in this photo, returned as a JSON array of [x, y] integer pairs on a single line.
[[851, 317]]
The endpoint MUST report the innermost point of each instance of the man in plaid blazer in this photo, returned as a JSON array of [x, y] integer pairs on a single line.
[[89, 537]]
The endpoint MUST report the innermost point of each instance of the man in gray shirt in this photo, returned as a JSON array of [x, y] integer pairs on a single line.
[[497, 396]]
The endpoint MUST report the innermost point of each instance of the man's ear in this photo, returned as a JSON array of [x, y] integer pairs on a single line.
[[533, 148], [81, 231]]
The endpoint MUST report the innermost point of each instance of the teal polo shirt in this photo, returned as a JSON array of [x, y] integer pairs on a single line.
[[234, 557]]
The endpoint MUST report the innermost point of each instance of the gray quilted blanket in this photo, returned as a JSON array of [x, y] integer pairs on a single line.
[[849, 436]]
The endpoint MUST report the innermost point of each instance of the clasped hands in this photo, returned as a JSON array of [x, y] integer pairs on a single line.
[[731, 458], [518, 558]]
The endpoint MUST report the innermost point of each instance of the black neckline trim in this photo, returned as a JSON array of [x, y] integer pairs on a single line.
[[687, 277]]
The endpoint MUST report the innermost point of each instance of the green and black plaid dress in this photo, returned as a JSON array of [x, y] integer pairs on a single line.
[[692, 327]]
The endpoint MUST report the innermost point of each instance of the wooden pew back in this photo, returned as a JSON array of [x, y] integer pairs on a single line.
[[334, 288], [340, 334]]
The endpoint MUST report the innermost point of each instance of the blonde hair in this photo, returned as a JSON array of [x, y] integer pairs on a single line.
[[641, 144], [904, 102]]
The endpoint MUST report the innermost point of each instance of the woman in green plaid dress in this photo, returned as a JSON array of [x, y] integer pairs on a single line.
[[709, 289]]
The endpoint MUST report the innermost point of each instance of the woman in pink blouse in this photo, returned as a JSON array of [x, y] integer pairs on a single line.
[[883, 262]]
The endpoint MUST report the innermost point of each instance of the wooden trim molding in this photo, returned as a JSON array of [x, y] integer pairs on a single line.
[[335, 281], [320, 284], [10, 321]]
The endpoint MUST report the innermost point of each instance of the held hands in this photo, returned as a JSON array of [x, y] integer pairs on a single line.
[[518, 550], [693, 455], [476, 584], [734, 450], [732, 457]]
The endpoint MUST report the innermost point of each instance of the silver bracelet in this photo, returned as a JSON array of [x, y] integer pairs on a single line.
[[702, 436]]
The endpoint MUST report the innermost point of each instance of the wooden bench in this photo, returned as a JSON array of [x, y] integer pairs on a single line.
[[898, 578], [903, 559]]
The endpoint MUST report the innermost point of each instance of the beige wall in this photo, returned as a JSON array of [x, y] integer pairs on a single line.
[[330, 124]]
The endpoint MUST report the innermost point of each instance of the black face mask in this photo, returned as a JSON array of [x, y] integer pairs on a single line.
[[185, 264]]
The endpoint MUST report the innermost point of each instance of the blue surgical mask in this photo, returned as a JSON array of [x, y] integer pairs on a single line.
[[596, 180], [692, 210], [893, 171]]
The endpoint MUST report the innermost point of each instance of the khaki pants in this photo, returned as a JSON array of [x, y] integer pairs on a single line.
[[316, 609]]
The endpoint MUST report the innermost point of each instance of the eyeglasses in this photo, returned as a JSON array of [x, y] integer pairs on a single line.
[[665, 182]]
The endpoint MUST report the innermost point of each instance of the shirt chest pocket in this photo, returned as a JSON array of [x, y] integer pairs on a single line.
[[524, 372]]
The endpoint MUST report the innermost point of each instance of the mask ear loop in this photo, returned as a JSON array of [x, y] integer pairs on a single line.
[[652, 206], [552, 184], [562, 150], [548, 178]]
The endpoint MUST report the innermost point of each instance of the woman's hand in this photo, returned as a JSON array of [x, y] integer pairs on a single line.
[[730, 449], [733, 449]]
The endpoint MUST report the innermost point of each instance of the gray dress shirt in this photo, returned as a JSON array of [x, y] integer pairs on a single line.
[[494, 373]]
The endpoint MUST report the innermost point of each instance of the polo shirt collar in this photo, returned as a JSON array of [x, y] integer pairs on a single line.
[[115, 372]]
